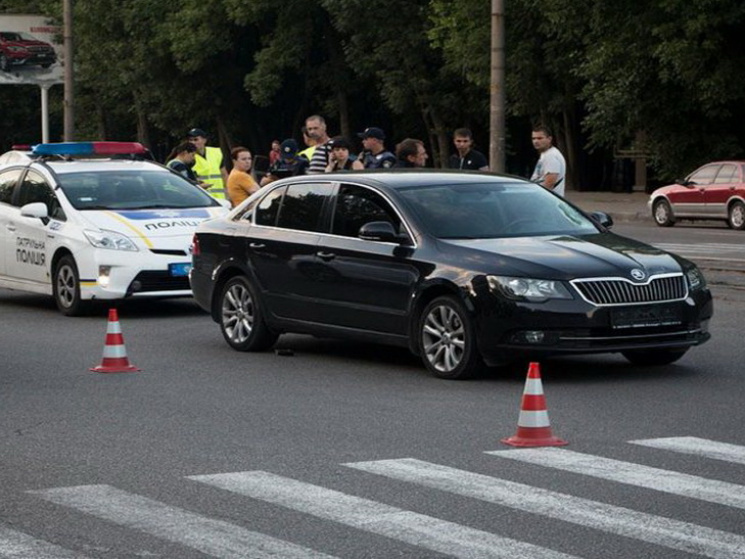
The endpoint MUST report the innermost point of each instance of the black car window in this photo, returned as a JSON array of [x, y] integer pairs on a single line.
[[302, 206], [35, 189], [356, 206], [8, 181], [705, 175], [268, 208], [726, 175]]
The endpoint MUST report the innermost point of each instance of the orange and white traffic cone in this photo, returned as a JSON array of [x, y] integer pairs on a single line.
[[533, 428], [114, 353]]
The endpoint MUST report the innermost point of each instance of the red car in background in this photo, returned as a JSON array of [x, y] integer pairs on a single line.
[[21, 49], [714, 191]]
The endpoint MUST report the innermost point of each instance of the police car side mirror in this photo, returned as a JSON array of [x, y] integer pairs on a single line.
[[36, 209]]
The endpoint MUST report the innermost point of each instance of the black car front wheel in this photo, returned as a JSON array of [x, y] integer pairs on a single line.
[[447, 340], [654, 357], [241, 321]]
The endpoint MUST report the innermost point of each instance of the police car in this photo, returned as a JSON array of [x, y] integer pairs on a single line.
[[86, 221]]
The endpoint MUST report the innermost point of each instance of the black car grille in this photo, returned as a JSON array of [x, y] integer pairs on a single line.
[[158, 281], [620, 291]]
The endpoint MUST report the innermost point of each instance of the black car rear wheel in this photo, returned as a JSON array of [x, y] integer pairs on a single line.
[[736, 216], [241, 321], [654, 356], [663, 213], [447, 341]]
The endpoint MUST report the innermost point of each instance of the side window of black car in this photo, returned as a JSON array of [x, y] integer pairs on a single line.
[[8, 181], [302, 206], [356, 206], [35, 189], [268, 208]]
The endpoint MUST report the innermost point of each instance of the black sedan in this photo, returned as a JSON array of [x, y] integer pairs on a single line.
[[463, 269]]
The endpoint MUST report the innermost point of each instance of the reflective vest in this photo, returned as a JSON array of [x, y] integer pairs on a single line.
[[208, 171]]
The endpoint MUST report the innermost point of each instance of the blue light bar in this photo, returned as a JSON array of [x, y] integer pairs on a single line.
[[89, 148]]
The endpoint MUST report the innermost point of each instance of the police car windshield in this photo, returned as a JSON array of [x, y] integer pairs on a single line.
[[131, 190]]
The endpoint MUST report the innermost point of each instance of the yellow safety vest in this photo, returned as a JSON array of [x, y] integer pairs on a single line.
[[208, 170]]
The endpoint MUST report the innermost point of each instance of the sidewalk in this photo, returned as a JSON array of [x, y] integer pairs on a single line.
[[622, 206]]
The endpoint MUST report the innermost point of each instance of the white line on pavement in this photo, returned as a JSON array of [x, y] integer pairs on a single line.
[[17, 545], [698, 447]]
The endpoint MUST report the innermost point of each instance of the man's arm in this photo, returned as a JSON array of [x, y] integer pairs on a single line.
[[550, 180]]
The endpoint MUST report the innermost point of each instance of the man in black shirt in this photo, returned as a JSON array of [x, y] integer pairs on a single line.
[[466, 157]]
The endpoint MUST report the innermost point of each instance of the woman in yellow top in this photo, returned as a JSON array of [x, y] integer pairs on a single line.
[[240, 182]]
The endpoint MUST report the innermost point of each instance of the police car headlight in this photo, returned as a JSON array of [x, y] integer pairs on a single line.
[[527, 289], [110, 239]]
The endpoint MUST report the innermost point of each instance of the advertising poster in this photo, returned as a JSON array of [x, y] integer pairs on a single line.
[[29, 51]]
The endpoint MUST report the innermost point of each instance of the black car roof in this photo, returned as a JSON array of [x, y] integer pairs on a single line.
[[402, 178]]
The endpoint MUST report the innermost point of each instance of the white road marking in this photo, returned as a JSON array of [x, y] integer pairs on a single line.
[[658, 530], [213, 537], [410, 527], [666, 481], [17, 545], [698, 447]]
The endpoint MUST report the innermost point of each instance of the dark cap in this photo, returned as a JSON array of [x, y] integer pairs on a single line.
[[288, 149], [340, 142], [372, 132], [194, 132]]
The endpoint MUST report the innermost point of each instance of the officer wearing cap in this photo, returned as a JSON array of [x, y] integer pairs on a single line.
[[289, 164], [208, 164], [375, 156]]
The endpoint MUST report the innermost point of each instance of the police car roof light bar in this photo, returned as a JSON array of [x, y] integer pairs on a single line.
[[89, 148]]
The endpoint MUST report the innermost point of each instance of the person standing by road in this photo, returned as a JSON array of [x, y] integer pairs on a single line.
[[466, 157], [375, 156], [181, 160], [208, 163], [411, 153], [551, 167], [339, 159], [315, 127], [240, 182]]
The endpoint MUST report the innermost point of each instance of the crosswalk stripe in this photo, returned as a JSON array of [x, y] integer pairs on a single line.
[[674, 534], [698, 447], [406, 526], [17, 545], [720, 492], [213, 537]]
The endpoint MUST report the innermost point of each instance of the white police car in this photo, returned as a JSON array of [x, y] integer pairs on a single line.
[[83, 227]]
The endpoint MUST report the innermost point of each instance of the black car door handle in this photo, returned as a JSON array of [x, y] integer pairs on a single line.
[[326, 255], [257, 245]]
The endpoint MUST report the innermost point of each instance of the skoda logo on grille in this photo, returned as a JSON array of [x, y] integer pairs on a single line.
[[638, 274]]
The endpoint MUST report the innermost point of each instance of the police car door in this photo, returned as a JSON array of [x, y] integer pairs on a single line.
[[30, 256], [8, 180]]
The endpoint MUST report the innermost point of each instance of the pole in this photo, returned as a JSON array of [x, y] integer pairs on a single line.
[[44, 113], [67, 47], [497, 97]]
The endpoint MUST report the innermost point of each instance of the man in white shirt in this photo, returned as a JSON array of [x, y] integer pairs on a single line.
[[551, 168]]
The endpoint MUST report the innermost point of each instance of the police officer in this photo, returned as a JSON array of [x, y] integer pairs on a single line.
[[375, 156], [208, 164]]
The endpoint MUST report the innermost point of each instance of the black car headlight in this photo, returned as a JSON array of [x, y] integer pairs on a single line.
[[527, 289], [695, 279]]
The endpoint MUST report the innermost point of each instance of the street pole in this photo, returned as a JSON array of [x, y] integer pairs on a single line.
[[497, 97], [67, 47]]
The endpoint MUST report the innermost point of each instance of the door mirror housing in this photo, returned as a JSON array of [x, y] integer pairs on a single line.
[[603, 219], [35, 209], [379, 231]]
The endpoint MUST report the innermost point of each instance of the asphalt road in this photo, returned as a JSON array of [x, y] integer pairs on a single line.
[[136, 465]]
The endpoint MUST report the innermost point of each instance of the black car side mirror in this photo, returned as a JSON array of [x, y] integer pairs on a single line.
[[379, 231], [603, 219]]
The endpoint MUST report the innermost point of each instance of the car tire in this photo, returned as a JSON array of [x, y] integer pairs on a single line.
[[66, 288], [663, 213], [447, 340], [241, 319], [4, 64], [736, 216], [654, 357]]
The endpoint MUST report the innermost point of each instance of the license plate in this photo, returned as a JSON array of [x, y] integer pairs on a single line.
[[179, 269], [645, 316]]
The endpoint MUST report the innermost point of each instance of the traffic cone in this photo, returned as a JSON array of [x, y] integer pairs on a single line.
[[533, 428], [114, 353]]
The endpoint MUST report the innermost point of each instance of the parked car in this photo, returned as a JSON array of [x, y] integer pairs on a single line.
[[83, 229], [714, 191], [21, 49], [460, 268]]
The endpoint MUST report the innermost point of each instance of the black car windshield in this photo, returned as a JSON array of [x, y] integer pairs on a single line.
[[131, 190], [487, 210]]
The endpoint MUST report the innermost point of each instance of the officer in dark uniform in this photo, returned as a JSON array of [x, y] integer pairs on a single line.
[[375, 156]]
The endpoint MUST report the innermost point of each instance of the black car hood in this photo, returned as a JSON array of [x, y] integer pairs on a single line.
[[566, 257]]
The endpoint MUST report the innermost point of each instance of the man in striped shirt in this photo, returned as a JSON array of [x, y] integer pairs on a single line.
[[315, 127]]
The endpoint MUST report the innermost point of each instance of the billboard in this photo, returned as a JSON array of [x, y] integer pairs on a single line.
[[29, 51]]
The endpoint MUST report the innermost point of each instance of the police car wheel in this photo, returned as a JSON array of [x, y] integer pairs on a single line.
[[66, 288], [241, 320]]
